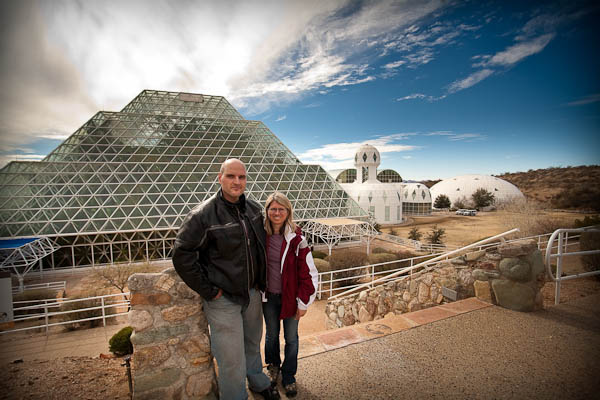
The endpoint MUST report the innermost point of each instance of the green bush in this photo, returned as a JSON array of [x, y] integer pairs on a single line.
[[442, 201], [414, 234], [590, 241], [80, 305], [482, 198], [319, 254], [120, 343], [436, 235]]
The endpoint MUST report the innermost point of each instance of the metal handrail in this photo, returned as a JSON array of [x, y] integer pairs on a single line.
[[561, 247]]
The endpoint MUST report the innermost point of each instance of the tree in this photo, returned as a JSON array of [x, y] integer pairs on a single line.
[[414, 234], [482, 198], [442, 201], [436, 235], [461, 202]]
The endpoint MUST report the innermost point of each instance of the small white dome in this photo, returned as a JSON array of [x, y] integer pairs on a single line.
[[416, 193], [367, 155], [464, 186]]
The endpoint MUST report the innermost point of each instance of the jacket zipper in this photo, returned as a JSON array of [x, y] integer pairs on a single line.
[[248, 253]]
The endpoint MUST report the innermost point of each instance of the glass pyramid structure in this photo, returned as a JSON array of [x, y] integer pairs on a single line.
[[119, 187]]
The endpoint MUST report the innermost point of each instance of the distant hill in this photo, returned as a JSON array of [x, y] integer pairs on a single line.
[[565, 188], [569, 187]]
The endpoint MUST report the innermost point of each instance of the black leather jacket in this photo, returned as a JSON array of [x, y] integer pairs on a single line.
[[212, 250]]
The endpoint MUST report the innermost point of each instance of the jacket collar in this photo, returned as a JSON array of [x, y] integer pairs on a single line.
[[241, 203]]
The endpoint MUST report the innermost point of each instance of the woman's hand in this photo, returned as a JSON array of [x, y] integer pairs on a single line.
[[299, 314]]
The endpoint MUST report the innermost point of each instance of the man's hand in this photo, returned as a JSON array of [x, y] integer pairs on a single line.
[[299, 314], [218, 294]]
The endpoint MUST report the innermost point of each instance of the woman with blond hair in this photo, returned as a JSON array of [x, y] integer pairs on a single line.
[[291, 288]]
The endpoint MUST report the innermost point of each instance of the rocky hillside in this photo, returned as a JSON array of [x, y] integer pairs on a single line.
[[564, 188], [569, 187]]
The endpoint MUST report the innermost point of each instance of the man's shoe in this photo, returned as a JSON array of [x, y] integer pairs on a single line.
[[270, 393], [273, 372], [291, 390]]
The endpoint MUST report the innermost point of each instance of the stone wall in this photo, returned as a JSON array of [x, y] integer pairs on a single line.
[[510, 275], [171, 344]]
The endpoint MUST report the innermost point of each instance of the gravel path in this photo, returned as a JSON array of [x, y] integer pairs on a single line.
[[491, 353]]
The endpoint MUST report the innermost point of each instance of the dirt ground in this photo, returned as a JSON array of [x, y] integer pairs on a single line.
[[93, 378], [463, 230]]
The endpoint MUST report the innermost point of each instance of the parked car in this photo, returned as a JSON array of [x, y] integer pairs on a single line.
[[470, 213]]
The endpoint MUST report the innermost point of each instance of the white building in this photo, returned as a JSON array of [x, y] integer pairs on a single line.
[[463, 186]]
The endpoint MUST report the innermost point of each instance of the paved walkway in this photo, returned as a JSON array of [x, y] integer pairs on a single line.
[[466, 349]]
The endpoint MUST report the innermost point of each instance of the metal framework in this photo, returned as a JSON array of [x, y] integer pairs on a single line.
[[332, 230], [21, 255], [119, 187]]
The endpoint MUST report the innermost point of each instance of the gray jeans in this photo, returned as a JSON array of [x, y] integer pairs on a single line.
[[235, 342]]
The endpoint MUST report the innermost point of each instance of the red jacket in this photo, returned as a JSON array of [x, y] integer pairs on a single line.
[[299, 276]]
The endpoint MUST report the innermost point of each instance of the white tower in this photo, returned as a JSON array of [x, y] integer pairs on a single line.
[[366, 161]]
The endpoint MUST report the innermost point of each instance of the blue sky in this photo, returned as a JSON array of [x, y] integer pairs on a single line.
[[441, 88]]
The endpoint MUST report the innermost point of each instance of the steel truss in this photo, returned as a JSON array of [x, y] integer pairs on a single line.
[[21, 255], [332, 231]]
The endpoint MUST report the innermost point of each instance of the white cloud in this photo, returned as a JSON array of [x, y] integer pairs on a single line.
[[412, 97], [519, 51], [457, 136], [341, 155], [6, 158], [469, 81], [592, 98], [281, 118], [395, 64]]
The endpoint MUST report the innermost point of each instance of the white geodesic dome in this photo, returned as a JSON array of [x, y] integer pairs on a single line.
[[464, 186], [416, 199]]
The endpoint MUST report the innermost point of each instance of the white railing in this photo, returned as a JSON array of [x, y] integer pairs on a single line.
[[562, 250], [107, 302], [62, 285], [417, 245]]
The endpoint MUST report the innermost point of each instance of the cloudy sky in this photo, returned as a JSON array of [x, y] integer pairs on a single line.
[[442, 88]]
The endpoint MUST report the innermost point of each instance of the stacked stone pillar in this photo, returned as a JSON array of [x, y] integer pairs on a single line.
[[171, 343]]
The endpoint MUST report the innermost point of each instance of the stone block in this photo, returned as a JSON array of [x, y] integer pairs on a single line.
[[423, 294], [519, 248], [160, 378], [406, 296], [180, 312], [196, 344], [514, 295], [364, 315], [140, 320], [150, 299], [483, 291], [160, 334], [164, 283], [199, 385], [458, 261], [185, 292], [141, 281], [348, 319], [515, 269], [341, 311], [474, 256], [371, 306], [151, 356]]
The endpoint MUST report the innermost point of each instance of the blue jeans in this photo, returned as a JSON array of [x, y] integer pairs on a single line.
[[235, 342], [271, 310]]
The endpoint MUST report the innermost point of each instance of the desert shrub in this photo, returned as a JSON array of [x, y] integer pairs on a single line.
[[442, 201], [529, 217], [347, 259], [461, 202], [590, 241], [381, 258], [587, 221], [120, 343], [580, 197], [319, 254], [116, 276], [322, 265], [377, 227], [378, 250], [35, 294], [414, 234], [435, 235], [81, 305], [393, 232]]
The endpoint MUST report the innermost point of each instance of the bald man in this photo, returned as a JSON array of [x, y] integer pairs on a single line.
[[220, 253]]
